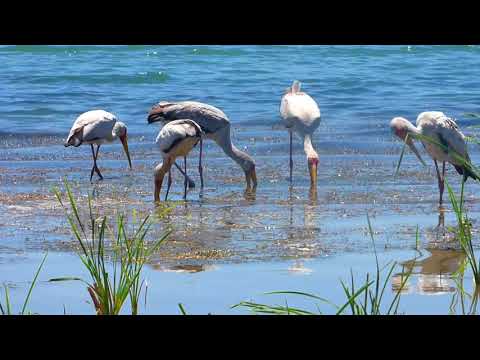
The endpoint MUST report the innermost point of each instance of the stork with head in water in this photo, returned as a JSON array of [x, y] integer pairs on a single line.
[[301, 115], [97, 127], [177, 138], [214, 124], [442, 140]]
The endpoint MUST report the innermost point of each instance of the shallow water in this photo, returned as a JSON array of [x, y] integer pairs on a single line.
[[235, 238]]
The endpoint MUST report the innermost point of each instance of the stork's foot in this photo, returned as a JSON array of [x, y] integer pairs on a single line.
[[97, 170]]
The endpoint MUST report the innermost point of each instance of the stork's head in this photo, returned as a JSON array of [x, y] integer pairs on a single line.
[[248, 166], [120, 130], [404, 129], [401, 127], [158, 175], [159, 111]]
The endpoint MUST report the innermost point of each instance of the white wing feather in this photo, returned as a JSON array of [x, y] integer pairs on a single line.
[[96, 124], [299, 110], [175, 131], [444, 130]]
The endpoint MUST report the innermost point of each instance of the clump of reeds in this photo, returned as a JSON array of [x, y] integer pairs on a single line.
[[114, 270], [365, 299], [464, 235], [6, 309], [463, 230]]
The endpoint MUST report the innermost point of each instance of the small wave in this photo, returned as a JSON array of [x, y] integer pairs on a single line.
[[149, 77], [56, 49], [217, 51]]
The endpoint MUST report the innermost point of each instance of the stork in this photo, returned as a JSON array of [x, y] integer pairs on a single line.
[[447, 143], [300, 114], [214, 124], [97, 127], [176, 138]]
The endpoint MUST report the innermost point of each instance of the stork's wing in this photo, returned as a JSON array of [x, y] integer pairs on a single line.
[[300, 106], [176, 131], [208, 117], [92, 125], [451, 136], [99, 129]]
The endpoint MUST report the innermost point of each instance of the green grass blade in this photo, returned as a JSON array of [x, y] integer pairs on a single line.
[[354, 296], [33, 284], [400, 160], [182, 309], [299, 293]]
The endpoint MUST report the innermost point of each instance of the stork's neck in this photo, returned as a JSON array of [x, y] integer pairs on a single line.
[[308, 147], [413, 129], [237, 155]]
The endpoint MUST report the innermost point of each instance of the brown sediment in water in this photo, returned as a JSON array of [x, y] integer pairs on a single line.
[[224, 226]]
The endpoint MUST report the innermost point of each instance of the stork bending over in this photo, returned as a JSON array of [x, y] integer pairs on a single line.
[[301, 114], [97, 127], [440, 129], [176, 138], [214, 125]]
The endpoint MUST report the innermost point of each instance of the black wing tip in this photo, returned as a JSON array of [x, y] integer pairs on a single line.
[[462, 170]]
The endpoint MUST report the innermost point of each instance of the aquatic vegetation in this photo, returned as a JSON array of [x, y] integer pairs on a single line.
[[454, 154], [464, 232], [182, 309], [461, 297], [114, 271], [366, 299], [7, 309]]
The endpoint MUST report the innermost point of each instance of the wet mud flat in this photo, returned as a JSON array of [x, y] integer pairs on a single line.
[[280, 224]]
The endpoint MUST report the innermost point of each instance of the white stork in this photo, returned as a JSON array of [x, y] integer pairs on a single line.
[[176, 138], [214, 124], [440, 129], [301, 114], [97, 127]]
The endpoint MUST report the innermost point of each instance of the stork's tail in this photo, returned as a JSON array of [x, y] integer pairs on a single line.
[[466, 172], [296, 86]]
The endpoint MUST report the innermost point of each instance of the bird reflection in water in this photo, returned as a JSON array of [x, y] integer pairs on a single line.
[[433, 273], [186, 268], [298, 268], [301, 239], [313, 195], [441, 224]]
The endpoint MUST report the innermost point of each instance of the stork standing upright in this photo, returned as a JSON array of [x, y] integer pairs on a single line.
[[176, 138], [97, 127], [215, 125], [439, 128], [301, 114]]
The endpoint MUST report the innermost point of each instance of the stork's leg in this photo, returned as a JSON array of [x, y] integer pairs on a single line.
[[291, 156], [200, 167], [169, 183], [443, 181], [440, 182], [96, 167], [441, 222], [93, 167], [186, 182], [191, 183]]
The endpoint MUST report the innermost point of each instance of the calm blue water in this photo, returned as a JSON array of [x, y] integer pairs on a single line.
[[43, 89]]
